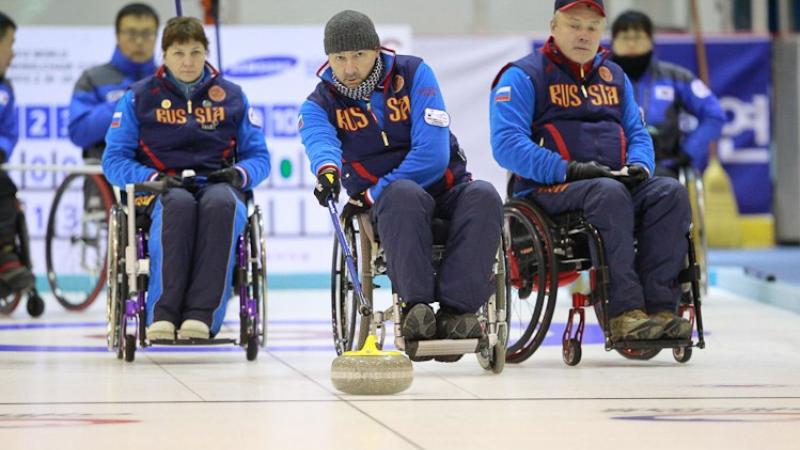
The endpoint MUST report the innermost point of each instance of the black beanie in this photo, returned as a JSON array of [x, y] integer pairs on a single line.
[[350, 31]]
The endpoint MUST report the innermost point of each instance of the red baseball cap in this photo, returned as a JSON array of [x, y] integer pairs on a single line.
[[563, 5]]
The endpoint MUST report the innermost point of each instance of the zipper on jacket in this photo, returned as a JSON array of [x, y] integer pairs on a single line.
[[374, 117], [583, 85], [189, 106]]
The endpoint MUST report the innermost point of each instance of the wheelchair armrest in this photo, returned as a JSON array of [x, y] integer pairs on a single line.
[[156, 187]]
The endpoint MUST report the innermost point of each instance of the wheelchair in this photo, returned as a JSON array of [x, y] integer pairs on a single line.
[[128, 272], [545, 253], [8, 303], [350, 327]]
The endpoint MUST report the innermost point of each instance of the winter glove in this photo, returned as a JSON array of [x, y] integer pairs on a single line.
[[636, 174], [586, 170], [228, 175], [356, 205], [169, 181], [328, 185]]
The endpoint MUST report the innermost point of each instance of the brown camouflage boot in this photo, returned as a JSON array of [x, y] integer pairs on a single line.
[[675, 327], [634, 325], [14, 276]]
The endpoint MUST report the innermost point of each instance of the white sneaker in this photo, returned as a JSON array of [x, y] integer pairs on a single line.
[[193, 329], [161, 330]]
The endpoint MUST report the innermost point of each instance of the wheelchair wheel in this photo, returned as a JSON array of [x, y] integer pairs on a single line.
[[682, 354], [350, 328], [130, 347], [9, 303], [694, 185], [117, 280], [644, 354], [35, 305], [494, 358], [533, 275], [571, 352], [258, 246], [22, 241], [75, 240], [252, 348], [253, 333]]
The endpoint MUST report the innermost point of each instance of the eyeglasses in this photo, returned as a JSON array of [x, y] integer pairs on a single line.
[[133, 35]]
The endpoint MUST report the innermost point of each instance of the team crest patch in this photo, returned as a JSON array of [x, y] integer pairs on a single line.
[[502, 94], [166, 103], [216, 93], [4, 98], [605, 74], [398, 83]]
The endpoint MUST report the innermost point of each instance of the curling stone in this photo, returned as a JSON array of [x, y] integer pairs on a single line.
[[370, 371]]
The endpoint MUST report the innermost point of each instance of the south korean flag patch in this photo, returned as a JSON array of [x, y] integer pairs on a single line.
[[437, 117], [254, 117]]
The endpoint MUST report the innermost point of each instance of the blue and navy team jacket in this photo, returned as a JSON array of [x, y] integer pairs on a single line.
[[401, 133], [664, 91], [9, 123], [95, 96], [546, 110], [156, 129]]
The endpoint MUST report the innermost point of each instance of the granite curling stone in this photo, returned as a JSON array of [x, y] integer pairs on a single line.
[[370, 371]]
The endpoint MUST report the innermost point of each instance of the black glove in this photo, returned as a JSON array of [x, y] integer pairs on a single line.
[[228, 175], [2, 156], [356, 205], [169, 181], [636, 174], [328, 185], [586, 170]]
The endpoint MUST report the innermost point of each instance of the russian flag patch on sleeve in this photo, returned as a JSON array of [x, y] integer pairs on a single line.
[[502, 94], [116, 119]]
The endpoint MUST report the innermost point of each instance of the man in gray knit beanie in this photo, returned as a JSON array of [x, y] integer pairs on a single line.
[[376, 125]]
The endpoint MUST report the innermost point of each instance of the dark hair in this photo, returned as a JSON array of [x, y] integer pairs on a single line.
[[5, 24], [632, 20], [135, 9], [183, 29]]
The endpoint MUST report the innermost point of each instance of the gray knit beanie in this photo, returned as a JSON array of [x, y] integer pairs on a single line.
[[350, 31]]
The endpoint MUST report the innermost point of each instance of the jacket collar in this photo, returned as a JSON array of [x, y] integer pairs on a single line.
[[554, 54], [210, 73]]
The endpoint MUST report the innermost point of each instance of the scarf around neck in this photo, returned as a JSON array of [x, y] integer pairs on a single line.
[[364, 90]]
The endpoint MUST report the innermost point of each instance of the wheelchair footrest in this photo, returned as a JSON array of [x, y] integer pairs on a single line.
[[193, 342], [651, 344], [442, 347]]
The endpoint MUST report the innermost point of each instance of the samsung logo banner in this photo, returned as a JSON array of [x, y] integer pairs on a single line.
[[262, 66]]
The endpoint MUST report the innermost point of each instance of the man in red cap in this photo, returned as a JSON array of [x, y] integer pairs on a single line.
[[565, 121]]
